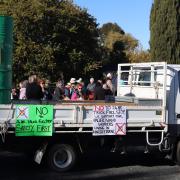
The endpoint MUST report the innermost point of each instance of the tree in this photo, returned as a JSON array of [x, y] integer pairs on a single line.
[[52, 36], [165, 31], [133, 50], [139, 56], [116, 47], [111, 27], [120, 47], [113, 49]]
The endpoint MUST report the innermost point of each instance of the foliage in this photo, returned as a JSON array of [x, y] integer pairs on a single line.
[[120, 47], [111, 27], [52, 36], [139, 56], [55, 36], [165, 31], [113, 42], [133, 50]]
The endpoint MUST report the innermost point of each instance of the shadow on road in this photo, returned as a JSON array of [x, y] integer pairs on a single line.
[[97, 166]]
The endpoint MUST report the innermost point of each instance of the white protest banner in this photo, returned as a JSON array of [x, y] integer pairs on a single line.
[[109, 120]]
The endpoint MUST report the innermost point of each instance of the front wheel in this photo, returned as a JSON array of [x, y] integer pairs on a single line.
[[61, 157]]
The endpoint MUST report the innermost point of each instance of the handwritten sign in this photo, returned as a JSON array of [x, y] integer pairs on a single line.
[[109, 120], [34, 120]]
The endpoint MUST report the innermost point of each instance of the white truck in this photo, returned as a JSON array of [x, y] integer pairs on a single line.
[[150, 93]]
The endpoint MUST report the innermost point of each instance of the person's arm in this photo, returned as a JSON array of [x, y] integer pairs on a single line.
[[41, 94], [87, 87], [56, 94], [95, 94]]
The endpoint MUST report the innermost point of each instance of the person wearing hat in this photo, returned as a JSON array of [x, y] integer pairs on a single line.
[[109, 83], [79, 81], [81, 93], [78, 94], [72, 86], [73, 80], [109, 76]]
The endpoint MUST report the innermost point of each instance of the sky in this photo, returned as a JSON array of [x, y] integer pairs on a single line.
[[131, 15]]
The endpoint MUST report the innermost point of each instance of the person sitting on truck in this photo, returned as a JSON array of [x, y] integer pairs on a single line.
[[46, 92], [15, 93], [59, 91], [90, 89], [80, 92], [67, 94], [107, 89], [22, 90], [77, 93], [33, 89], [99, 93], [83, 88], [72, 86], [109, 83]]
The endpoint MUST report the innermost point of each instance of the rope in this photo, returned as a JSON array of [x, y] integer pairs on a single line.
[[3, 131], [4, 126]]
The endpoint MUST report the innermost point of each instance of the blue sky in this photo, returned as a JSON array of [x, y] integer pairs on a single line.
[[131, 15]]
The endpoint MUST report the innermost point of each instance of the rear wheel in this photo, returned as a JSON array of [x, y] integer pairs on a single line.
[[61, 157]]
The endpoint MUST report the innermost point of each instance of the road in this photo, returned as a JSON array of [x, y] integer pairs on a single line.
[[101, 167]]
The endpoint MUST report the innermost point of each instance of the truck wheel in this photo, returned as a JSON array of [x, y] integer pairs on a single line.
[[61, 157], [178, 153]]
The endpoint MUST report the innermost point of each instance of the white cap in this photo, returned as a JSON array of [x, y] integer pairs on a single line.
[[109, 75], [73, 80], [79, 80], [68, 84]]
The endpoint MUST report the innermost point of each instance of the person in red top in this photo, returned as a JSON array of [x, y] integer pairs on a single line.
[[77, 94], [90, 89]]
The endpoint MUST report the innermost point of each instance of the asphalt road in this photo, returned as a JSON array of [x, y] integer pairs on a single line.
[[97, 166]]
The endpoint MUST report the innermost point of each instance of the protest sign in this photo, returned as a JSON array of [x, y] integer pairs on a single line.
[[109, 120], [34, 120]]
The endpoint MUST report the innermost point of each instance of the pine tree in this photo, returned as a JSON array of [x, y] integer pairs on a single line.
[[165, 31]]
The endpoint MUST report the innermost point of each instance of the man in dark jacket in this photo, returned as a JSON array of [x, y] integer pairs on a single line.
[[33, 89], [99, 93]]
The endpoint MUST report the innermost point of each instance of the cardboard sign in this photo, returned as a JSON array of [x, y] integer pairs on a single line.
[[34, 120], [109, 120]]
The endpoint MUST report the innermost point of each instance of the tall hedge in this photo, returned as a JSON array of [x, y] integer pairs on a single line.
[[165, 31]]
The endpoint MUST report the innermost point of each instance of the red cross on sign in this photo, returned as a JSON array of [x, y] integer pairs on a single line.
[[120, 128], [22, 113]]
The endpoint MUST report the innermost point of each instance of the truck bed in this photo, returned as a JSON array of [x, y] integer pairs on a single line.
[[77, 116]]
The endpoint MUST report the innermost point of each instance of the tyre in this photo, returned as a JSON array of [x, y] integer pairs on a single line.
[[61, 157]]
